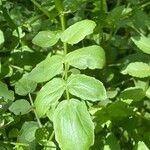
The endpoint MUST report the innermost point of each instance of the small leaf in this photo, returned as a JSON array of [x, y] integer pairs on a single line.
[[47, 69], [72, 123], [20, 107], [46, 39], [91, 57], [5, 93], [25, 86], [48, 95], [137, 69], [1, 37], [77, 32], [87, 88], [142, 43]]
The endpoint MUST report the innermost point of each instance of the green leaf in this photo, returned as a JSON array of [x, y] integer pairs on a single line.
[[27, 132], [73, 126], [1, 37], [20, 107], [142, 43], [148, 93], [46, 39], [137, 69], [134, 93], [88, 57], [49, 95], [77, 32], [47, 69], [5, 93], [112, 142], [141, 146], [87, 88], [25, 86]]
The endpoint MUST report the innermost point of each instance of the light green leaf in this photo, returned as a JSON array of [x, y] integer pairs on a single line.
[[77, 32], [87, 88], [5, 93], [141, 146], [48, 95], [148, 93], [47, 69], [27, 132], [73, 126], [134, 93], [25, 86], [46, 39], [137, 69], [1, 37], [142, 43], [20, 107], [88, 57]]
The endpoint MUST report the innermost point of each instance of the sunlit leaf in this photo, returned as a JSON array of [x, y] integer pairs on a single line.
[[72, 123]]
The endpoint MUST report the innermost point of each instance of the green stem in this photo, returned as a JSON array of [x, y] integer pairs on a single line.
[[40, 8], [13, 143], [60, 9], [37, 118], [52, 135]]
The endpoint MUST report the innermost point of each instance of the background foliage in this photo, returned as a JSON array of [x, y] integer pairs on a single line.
[[108, 42]]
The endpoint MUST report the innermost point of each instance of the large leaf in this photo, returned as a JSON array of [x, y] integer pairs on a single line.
[[20, 107], [5, 93], [73, 126], [142, 43], [48, 95], [77, 32], [46, 38], [87, 88], [47, 69], [137, 69], [25, 86], [88, 57]]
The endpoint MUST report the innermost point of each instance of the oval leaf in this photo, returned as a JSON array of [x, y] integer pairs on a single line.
[[20, 107], [46, 39], [72, 123], [48, 95], [88, 57], [142, 43], [77, 32], [47, 69], [25, 86], [134, 93], [137, 69], [87, 88]]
